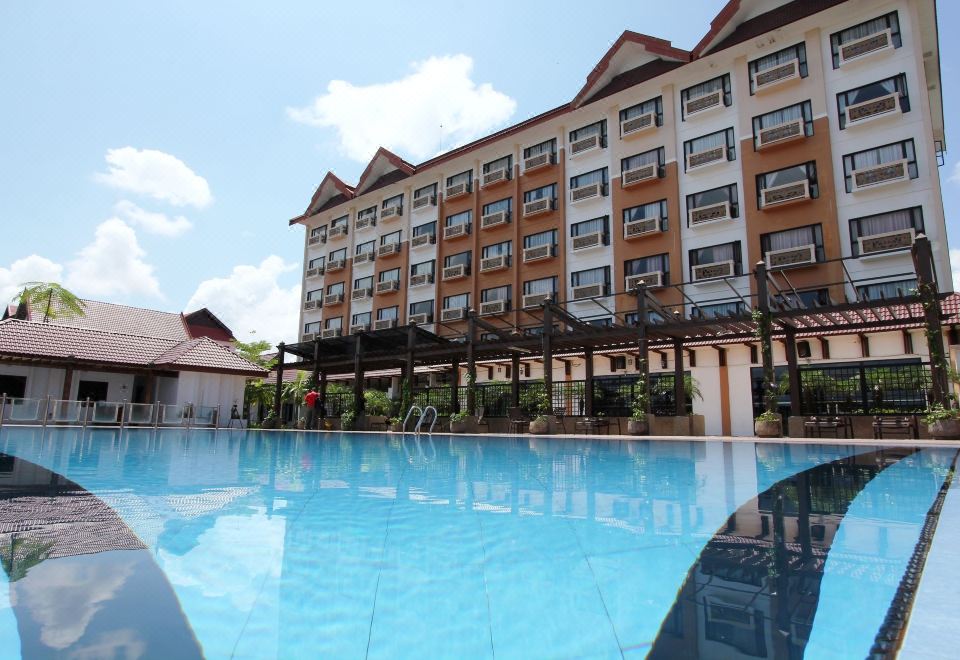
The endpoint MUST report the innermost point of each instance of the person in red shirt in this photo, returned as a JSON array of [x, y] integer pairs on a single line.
[[310, 400]]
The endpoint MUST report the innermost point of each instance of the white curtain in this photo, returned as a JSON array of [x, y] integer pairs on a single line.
[[863, 30], [791, 238], [718, 139], [502, 205], [459, 218], [592, 276], [547, 192], [546, 285], [543, 238], [877, 156], [453, 302], [588, 227], [387, 314], [497, 249], [493, 295], [390, 275], [597, 176], [773, 59], [704, 88], [779, 117], [881, 224], [715, 254], [646, 158]]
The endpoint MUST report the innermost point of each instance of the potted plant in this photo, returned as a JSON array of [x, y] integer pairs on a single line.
[[768, 424], [540, 404], [347, 419], [943, 423], [458, 422], [301, 424], [270, 422], [637, 424]]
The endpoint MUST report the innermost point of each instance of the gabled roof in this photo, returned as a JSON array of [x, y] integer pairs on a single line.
[[110, 317], [383, 163], [204, 323], [330, 187]]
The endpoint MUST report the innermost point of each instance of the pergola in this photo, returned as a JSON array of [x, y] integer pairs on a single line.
[[657, 328]]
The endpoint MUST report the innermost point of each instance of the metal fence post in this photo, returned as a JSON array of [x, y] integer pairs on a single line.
[[123, 412], [190, 415], [46, 411], [86, 413], [216, 420], [156, 414], [3, 407]]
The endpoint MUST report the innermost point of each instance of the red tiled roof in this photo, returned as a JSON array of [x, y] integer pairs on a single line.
[[55, 341], [124, 319]]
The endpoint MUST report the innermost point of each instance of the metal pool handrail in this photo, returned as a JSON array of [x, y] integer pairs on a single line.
[[410, 412], [423, 416]]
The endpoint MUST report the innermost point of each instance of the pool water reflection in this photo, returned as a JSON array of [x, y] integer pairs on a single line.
[[307, 545]]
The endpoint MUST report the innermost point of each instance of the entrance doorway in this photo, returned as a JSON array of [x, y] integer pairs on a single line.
[[94, 390], [13, 386]]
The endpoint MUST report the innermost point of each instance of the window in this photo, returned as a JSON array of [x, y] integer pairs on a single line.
[[651, 264], [618, 363], [891, 222], [342, 221], [319, 262], [312, 327], [505, 163], [795, 174], [368, 246], [801, 112], [794, 238], [320, 231], [710, 148], [363, 283], [596, 225], [645, 211], [723, 194], [495, 294], [715, 254], [423, 268], [599, 275], [316, 294], [890, 153], [540, 286], [336, 323], [632, 318], [691, 94], [459, 301], [601, 322], [339, 255], [807, 299], [391, 275], [459, 219], [391, 238], [370, 212], [388, 313], [892, 90], [504, 249], [396, 200], [653, 105], [500, 205], [541, 238], [862, 31], [463, 177], [546, 192], [335, 289], [422, 307], [719, 310], [652, 157], [459, 259], [883, 290], [597, 128], [548, 147], [426, 191], [596, 176], [427, 228], [362, 318], [798, 52]]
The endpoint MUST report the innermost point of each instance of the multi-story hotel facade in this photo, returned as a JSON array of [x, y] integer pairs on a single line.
[[795, 133]]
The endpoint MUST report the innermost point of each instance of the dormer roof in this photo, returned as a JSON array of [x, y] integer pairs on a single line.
[[383, 164]]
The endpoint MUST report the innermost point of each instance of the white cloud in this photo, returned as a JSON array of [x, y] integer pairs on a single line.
[[154, 223], [955, 266], [251, 301], [157, 174], [955, 175], [406, 115], [29, 269], [112, 265]]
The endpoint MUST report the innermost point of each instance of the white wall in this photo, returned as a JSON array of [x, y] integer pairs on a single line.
[[207, 389]]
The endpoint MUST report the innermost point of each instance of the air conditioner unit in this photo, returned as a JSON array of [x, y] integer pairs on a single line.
[[421, 280], [586, 192], [638, 124], [360, 294], [537, 253], [703, 103], [784, 194], [791, 130], [710, 213], [652, 280], [706, 157], [388, 286], [878, 107], [330, 333], [365, 222], [337, 232], [852, 50], [587, 241], [729, 614], [358, 328], [879, 175], [388, 249], [454, 272], [384, 324], [391, 212], [586, 144], [495, 176], [494, 263], [887, 241], [308, 336], [424, 201], [775, 75], [494, 219], [457, 190], [538, 161], [422, 240], [456, 231], [309, 305], [333, 299], [795, 256], [316, 240], [537, 206], [535, 299], [419, 319], [712, 271], [588, 291], [363, 258], [313, 272], [642, 227], [336, 265], [640, 174], [454, 314], [493, 307]]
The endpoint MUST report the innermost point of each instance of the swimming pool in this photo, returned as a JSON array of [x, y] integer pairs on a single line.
[[179, 543]]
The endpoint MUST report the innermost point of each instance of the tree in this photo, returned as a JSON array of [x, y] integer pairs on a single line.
[[294, 391], [258, 393], [253, 352], [55, 301]]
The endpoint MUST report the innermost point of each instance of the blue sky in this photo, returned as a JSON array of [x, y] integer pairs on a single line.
[[151, 154]]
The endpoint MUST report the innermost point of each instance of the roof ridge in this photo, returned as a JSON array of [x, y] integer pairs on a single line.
[[95, 330]]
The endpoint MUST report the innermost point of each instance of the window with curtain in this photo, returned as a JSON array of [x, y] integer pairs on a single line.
[[721, 83], [716, 254], [388, 313], [367, 212], [461, 258], [601, 224], [888, 22], [389, 275], [895, 85], [342, 221], [392, 237], [316, 263], [805, 172], [547, 147], [793, 238], [599, 275], [540, 238], [422, 307], [456, 302], [318, 231], [651, 264], [505, 163], [542, 285], [653, 105], [336, 323], [335, 289], [810, 298], [596, 128], [339, 255], [426, 191], [650, 210], [722, 138], [496, 207], [545, 192], [368, 246], [396, 200], [886, 290], [652, 157], [719, 310], [596, 176], [312, 327], [423, 268], [888, 153], [463, 177], [363, 318], [363, 283], [715, 196], [882, 223], [498, 249], [798, 52], [783, 116], [316, 294], [459, 219], [427, 228], [495, 294]]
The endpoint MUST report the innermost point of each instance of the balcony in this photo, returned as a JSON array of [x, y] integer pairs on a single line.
[[537, 207], [453, 314], [652, 280], [776, 75], [538, 253], [391, 213], [388, 250], [457, 190], [422, 279], [336, 265], [330, 333], [886, 242], [710, 213], [636, 125], [455, 272], [539, 161], [423, 240], [365, 257], [795, 256], [424, 201], [456, 231], [588, 291], [705, 272], [786, 132], [881, 106], [494, 307], [701, 104], [637, 175], [869, 45], [365, 222], [495, 177], [419, 319], [333, 299], [879, 175], [641, 228], [589, 191], [586, 144], [491, 264], [387, 286], [384, 324], [787, 193], [588, 241], [536, 299], [361, 294], [494, 220], [340, 231]]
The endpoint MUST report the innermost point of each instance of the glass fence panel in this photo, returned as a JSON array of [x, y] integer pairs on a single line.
[[106, 412], [67, 412], [140, 413], [24, 410]]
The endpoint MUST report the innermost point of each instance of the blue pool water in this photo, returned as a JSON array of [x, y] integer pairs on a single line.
[[246, 544]]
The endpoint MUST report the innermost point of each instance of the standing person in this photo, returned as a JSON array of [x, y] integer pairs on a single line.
[[311, 402]]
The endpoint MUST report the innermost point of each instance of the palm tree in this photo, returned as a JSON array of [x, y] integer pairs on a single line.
[[258, 393], [56, 301], [295, 390]]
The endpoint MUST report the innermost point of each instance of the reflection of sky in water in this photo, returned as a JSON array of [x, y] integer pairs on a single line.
[[279, 545]]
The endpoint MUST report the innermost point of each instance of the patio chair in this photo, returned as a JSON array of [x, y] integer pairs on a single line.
[[903, 425], [835, 425], [518, 421], [558, 417], [481, 419]]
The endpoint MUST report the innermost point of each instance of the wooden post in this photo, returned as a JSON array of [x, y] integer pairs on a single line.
[[515, 380], [358, 375], [765, 330], [455, 389], [793, 371], [643, 348], [548, 350], [67, 382], [471, 360], [929, 294], [278, 393], [588, 382], [316, 363], [323, 395], [679, 391]]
